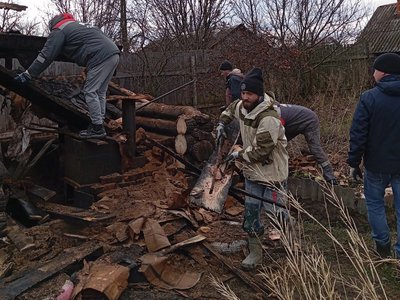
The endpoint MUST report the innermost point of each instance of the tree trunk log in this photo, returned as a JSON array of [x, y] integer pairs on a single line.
[[202, 135], [180, 144], [181, 126], [170, 112], [201, 150], [157, 125]]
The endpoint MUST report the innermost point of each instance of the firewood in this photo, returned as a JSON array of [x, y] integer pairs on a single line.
[[171, 112], [127, 92], [181, 126], [121, 97], [157, 125], [180, 144], [202, 150], [200, 135], [190, 123]]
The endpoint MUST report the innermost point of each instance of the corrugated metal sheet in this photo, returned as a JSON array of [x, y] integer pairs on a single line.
[[382, 32]]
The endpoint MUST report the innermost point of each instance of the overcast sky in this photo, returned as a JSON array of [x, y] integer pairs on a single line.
[[34, 6]]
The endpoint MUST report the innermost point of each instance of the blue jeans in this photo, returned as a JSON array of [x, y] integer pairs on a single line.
[[252, 221], [374, 190]]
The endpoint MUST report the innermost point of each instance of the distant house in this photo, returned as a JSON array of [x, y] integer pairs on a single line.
[[382, 32], [164, 64]]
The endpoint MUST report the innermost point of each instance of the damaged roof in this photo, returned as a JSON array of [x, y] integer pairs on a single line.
[[382, 32]]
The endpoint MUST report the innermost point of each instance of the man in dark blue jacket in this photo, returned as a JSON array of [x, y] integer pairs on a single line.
[[375, 139], [89, 47], [233, 78]]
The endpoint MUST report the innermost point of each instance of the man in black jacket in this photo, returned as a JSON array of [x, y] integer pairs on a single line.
[[89, 47], [375, 139]]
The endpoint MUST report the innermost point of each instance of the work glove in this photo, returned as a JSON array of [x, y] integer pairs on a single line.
[[356, 173], [220, 132], [231, 157], [23, 77]]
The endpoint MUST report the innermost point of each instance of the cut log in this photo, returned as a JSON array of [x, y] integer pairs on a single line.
[[190, 123], [180, 144], [123, 91], [181, 126], [202, 135], [171, 112], [157, 125], [201, 150], [123, 97], [209, 192]]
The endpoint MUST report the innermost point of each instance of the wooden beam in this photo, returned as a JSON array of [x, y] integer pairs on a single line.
[[74, 213], [13, 6], [28, 279]]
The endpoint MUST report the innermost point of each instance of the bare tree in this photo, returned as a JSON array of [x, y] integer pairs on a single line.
[[250, 13], [190, 22], [101, 13], [12, 18], [307, 23], [304, 33], [303, 23]]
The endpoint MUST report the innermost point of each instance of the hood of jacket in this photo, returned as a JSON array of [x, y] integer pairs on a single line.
[[60, 19], [389, 85]]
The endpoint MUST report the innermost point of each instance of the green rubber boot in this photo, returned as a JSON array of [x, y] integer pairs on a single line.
[[255, 256]]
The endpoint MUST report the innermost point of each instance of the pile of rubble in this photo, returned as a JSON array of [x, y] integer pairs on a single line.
[[141, 234]]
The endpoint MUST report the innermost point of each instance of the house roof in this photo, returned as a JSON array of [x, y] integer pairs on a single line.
[[382, 32]]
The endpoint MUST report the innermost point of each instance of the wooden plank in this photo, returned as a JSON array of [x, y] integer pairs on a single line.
[[28, 279], [19, 238], [74, 213], [41, 192], [59, 110]]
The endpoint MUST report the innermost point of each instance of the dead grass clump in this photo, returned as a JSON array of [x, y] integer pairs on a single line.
[[305, 273]]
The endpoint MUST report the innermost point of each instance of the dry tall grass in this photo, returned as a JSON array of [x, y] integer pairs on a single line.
[[305, 273]]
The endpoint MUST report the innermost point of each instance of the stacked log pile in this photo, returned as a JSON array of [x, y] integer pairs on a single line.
[[183, 128]]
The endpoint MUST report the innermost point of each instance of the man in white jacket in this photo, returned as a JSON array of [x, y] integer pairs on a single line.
[[264, 157]]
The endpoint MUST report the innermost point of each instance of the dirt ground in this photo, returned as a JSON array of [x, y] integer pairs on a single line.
[[159, 191]]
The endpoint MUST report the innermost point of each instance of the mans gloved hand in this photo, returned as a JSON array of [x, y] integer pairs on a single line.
[[356, 173], [23, 77], [220, 132], [231, 157]]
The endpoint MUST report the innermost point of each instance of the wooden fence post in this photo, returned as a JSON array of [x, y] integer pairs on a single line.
[[194, 77]]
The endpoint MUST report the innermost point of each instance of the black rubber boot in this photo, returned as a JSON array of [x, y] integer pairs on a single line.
[[94, 131], [384, 251]]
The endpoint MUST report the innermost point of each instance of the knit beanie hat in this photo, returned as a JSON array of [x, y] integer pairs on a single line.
[[60, 19], [388, 63], [253, 82], [226, 66]]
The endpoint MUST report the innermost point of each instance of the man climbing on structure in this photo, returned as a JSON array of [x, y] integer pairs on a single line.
[[264, 158], [89, 47]]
